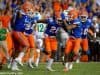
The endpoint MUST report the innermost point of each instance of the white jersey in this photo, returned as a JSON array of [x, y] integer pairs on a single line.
[[64, 36], [40, 29]]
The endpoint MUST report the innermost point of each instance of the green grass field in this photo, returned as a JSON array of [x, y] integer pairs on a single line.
[[90, 68]]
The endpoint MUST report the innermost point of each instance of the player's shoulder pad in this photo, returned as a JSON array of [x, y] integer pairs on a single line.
[[89, 20], [76, 21]]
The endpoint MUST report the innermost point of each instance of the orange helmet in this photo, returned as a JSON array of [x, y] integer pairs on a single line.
[[83, 13], [73, 14]]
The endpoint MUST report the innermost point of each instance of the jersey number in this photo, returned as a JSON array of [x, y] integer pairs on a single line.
[[53, 29], [41, 28], [85, 31]]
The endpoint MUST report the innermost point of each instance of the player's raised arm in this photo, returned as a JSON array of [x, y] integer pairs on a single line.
[[67, 17], [71, 26], [75, 24]]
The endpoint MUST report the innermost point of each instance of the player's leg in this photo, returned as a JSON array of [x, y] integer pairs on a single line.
[[47, 43], [76, 49], [53, 44], [14, 55], [23, 42], [32, 49], [10, 46], [68, 48], [47, 47], [39, 43], [84, 44], [75, 45], [14, 66], [64, 38]]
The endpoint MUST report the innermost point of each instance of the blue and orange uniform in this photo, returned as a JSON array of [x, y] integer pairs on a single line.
[[85, 25], [29, 27], [50, 35], [74, 40], [18, 31]]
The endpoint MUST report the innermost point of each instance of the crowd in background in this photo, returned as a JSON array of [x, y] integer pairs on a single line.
[[45, 7]]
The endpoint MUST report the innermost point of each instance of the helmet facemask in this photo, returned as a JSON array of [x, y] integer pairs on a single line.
[[83, 18]]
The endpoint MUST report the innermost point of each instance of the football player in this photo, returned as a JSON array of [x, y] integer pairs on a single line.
[[86, 23], [73, 44]]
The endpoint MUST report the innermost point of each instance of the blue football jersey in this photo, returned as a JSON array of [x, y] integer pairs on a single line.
[[52, 27], [85, 26], [29, 24], [77, 31], [19, 23]]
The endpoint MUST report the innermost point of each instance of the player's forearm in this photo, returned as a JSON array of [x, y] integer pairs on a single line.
[[65, 23], [71, 27]]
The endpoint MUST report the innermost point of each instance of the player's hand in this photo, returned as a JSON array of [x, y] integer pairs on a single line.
[[94, 39], [46, 35]]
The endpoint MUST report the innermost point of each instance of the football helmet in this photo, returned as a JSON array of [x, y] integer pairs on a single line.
[[73, 14], [84, 16]]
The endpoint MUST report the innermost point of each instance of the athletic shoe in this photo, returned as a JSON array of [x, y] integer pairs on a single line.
[[19, 61], [50, 69]]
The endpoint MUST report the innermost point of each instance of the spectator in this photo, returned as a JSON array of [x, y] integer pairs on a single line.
[[64, 4], [57, 8]]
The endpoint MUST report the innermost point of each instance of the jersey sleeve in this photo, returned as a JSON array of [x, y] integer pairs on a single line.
[[77, 22], [89, 22], [62, 16]]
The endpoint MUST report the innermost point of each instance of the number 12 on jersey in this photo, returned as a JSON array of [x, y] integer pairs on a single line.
[[41, 27]]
